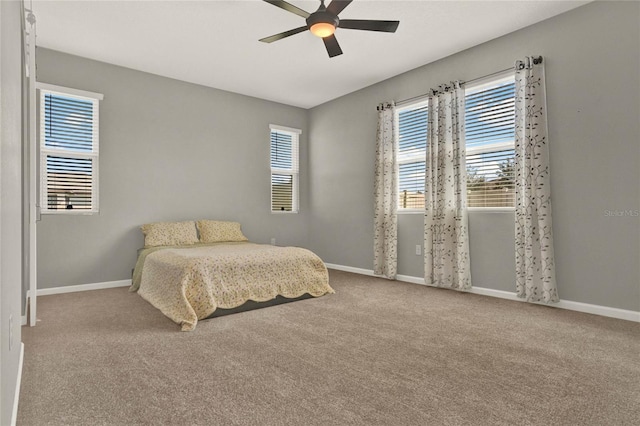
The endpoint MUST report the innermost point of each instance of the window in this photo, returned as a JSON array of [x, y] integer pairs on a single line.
[[412, 146], [68, 150], [490, 135], [284, 169]]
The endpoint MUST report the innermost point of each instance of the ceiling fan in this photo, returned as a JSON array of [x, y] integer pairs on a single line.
[[324, 21]]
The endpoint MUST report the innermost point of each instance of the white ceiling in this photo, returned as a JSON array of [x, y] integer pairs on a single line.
[[215, 43]]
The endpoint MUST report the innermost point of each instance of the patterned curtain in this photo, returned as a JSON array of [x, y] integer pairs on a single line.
[[535, 270], [446, 234], [385, 234]]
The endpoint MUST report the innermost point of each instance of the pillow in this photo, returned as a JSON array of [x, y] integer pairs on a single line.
[[169, 233], [214, 231]]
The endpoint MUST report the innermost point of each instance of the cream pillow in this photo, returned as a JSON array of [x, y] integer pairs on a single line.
[[169, 233], [214, 231]]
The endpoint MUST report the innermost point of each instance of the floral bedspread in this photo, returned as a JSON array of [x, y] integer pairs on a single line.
[[190, 283]]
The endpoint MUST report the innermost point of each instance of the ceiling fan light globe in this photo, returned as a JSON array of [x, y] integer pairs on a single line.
[[322, 29]]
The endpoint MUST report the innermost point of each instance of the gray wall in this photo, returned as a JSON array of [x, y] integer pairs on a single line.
[[10, 201], [169, 150], [593, 79]]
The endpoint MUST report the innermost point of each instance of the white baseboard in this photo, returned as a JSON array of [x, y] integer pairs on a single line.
[[16, 397], [73, 289], [81, 287], [351, 269], [410, 279], [604, 311]]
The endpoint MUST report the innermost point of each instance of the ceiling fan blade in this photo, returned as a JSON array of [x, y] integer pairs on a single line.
[[333, 48], [368, 25], [289, 7], [282, 35], [338, 6]]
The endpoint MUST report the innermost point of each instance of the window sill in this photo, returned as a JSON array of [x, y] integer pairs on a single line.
[[469, 209], [492, 209], [68, 212], [285, 212]]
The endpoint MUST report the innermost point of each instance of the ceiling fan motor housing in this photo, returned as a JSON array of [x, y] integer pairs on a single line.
[[324, 17]]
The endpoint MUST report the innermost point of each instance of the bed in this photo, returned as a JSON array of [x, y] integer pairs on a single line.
[[190, 278]]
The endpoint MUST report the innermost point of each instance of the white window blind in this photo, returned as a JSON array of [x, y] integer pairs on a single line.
[[284, 169], [68, 151], [411, 155], [490, 133]]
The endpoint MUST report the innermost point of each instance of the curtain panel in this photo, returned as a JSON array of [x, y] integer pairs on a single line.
[[385, 235], [446, 232], [535, 265]]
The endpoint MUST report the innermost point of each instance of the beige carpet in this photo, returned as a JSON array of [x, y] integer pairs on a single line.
[[375, 353]]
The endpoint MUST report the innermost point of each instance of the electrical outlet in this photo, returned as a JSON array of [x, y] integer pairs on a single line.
[[10, 331], [273, 241], [418, 250]]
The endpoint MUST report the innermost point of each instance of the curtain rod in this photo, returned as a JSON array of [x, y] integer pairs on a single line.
[[404, 101], [536, 60]]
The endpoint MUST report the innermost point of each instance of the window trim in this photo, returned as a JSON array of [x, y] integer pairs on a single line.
[[294, 173], [492, 209], [43, 152], [66, 91], [410, 211]]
